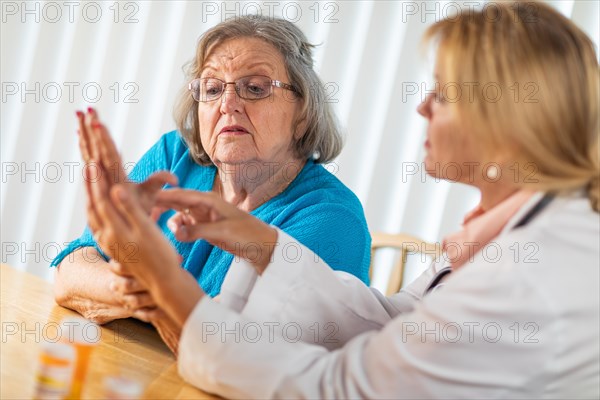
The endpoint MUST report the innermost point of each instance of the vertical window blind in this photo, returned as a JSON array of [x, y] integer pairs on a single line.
[[124, 58]]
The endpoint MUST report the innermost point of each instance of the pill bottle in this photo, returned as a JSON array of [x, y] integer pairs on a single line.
[[83, 336], [55, 371]]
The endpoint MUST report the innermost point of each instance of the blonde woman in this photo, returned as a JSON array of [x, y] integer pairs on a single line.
[[518, 316]]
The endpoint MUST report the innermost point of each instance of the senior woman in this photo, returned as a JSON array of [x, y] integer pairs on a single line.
[[517, 319], [254, 128]]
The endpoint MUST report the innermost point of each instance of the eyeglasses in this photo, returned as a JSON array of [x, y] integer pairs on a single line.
[[254, 87]]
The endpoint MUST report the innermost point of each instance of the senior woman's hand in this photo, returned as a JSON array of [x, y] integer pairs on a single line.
[[133, 239], [132, 295], [85, 283], [204, 215], [105, 167], [98, 150], [142, 258]]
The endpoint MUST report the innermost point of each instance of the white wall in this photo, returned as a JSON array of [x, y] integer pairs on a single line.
[[55, 55]]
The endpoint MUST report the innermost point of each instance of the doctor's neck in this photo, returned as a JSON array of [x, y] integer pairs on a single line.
[[494, 193]]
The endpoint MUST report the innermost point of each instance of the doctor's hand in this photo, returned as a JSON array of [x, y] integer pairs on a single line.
[[204, 215], [169, 331], [139, 302]]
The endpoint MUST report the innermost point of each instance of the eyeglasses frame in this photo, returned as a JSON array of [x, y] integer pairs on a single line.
[[274, 83]]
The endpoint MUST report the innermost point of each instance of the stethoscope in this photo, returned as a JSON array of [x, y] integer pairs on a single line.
[[531, 214]]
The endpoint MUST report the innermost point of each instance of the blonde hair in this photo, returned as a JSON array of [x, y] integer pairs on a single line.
[[546, 71], [321, 139]]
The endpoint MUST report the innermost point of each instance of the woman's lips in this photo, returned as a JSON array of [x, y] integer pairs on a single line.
[[427, 144], [233, 133], [233, 130]]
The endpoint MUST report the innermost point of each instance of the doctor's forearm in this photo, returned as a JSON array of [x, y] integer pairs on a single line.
[[177, 294]]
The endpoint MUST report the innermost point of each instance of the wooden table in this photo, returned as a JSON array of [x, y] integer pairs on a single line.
[[129, 348]]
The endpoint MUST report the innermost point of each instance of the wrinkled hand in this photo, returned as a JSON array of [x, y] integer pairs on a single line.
[[126, 232], [130, 237], [133, 239], [204, 215], [129, 292], [100, 155]]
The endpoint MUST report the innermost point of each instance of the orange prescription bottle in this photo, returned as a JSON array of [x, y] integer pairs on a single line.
[[83, 336], [55, 371]]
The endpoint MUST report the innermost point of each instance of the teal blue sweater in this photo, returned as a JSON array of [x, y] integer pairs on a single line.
[[316, 209]]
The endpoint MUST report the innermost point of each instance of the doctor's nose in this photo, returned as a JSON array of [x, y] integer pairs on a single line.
[[425, 107]]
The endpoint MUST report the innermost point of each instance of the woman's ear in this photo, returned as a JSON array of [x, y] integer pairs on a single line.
[[300, 122], [498, 164], [300, 129]]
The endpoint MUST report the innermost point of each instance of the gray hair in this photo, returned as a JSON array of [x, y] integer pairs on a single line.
[[321, 140]]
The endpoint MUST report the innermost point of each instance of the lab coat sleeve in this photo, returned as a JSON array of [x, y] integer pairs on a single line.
[[451, 345], [454, 343], [238, 284], [326, 307], [297, 280]]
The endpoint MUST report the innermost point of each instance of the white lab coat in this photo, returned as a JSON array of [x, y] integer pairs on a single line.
[[519, 321]]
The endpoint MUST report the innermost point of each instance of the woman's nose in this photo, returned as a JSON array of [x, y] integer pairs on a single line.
[[231, 102], [425, 107]]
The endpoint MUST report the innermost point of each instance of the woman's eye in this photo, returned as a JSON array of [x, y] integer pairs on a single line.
[[255, 90], [213, 91]]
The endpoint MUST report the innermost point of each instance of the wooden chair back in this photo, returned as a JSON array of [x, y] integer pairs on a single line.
[[406, 244]]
